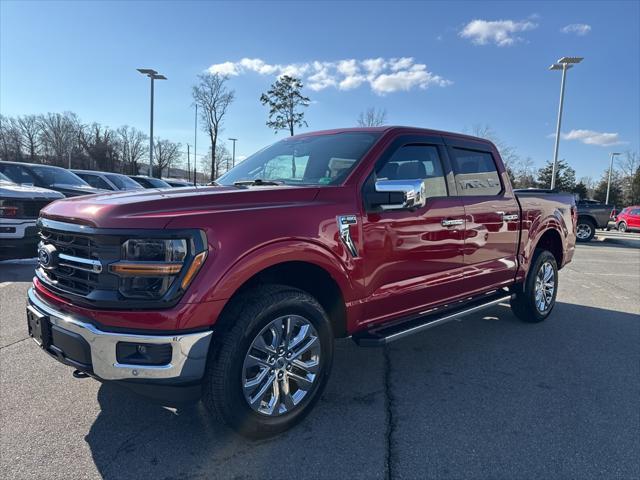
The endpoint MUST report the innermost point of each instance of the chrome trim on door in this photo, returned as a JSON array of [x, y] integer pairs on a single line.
[[452, 223], [344, 228]]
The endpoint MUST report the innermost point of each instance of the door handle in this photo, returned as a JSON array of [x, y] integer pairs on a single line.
[[452, 222], [508, 217]]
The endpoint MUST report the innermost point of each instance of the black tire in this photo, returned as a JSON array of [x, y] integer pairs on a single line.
[[622, 227], [244, 319], [523, 302], [585, 225]]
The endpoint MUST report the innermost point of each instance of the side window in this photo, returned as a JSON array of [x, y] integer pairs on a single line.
[[18, 174], [475, 173], [95, 181], [412, 162]]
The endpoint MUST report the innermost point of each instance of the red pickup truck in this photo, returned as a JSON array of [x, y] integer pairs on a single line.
[[234, 293]]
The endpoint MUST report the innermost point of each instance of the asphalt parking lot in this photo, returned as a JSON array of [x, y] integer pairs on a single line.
[[486, 397]]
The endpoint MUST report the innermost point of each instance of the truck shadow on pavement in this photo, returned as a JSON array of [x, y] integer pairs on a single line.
[[450, 402]]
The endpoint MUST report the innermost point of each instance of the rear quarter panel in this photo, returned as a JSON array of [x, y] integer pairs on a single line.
[[540, 213]]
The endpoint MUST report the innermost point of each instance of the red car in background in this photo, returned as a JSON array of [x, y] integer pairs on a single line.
[[628, 219]]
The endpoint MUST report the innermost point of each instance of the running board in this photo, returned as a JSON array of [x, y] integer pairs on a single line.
[[377, 337]]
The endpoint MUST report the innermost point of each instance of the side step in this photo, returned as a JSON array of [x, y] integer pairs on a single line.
[[377, 337]]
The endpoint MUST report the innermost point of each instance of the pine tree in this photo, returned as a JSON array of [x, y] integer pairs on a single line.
[[284, 99], [565, 176]]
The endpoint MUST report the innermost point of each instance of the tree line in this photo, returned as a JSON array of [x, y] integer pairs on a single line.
[[62, 139]]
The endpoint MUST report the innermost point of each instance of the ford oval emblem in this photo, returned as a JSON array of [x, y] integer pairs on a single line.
[[46, 256]]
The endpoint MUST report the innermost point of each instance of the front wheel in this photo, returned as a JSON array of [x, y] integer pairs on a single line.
[[271, 364], [538, 296], [622, 227]]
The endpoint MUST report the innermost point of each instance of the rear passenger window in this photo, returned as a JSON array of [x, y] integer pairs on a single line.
[[475, 173], [416, 162]]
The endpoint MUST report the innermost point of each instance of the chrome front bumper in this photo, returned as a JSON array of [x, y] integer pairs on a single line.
[[189, 351]]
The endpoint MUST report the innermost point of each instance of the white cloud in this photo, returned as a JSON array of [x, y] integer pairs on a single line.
[[382, 75], [591, 137], [577, 28], [501, 32]]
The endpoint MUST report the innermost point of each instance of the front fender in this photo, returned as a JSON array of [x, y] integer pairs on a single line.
[[275, 253]]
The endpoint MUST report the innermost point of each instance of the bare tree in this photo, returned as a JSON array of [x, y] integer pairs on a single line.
[[213, 98], [628, 165], [59, 135], [222, 159], [165, 154], [372, 117], [30, 129], [508, 153], [285, 100], [100, 144], [10, 146], [132, 146]]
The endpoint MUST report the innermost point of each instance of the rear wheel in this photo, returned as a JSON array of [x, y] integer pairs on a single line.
[[269, 368], [538, 295], [585, 230], [622, 227]]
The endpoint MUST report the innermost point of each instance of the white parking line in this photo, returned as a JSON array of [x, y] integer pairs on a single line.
[[5, 284]]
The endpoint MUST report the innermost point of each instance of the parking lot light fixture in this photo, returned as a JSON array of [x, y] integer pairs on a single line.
[[233, 155], [613, 154], [153, 75], [564, 64]]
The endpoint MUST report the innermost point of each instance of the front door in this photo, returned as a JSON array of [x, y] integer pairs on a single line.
[[414, 258], [491, 214]]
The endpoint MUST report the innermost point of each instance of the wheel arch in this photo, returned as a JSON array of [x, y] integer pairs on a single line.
[[308, 267]]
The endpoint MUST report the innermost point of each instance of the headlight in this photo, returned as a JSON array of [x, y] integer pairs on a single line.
[[149, 267]]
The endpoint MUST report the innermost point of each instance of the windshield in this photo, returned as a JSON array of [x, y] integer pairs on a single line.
[[58, 176], [123, 182], [4, 178], [315, 160]]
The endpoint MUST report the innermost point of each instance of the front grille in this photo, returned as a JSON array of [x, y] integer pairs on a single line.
[[25, 208], [31, 208], [78, 264]]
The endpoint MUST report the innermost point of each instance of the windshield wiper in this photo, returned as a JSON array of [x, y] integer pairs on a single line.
[[257, 181]]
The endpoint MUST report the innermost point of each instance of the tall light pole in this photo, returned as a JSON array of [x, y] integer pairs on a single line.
[[153, 75], [195, 144], [233, 155], [609, 181], [564, 64]]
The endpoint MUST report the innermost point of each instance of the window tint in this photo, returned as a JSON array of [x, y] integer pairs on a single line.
[[413, 162], [124, 183], [635, 211], [17, 174], [94, 181], [475, 173]]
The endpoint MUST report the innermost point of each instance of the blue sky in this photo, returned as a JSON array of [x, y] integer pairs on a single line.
[[444, 65]]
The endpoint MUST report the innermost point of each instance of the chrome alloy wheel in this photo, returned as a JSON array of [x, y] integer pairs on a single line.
[[583, 231], [545, 287], [281, 366]]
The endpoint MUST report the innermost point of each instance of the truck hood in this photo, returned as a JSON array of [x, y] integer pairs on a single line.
[[23, 192], [155, 208]]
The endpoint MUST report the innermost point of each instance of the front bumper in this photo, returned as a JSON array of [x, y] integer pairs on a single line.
[[86, 343]]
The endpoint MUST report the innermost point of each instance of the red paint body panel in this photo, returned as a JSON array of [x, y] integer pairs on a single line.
[[407, 262]]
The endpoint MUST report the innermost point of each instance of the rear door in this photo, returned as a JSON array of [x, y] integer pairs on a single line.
[[413, 257], [634, 218], [491, 214]]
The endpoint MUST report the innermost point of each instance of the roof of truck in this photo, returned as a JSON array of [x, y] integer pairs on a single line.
[[390, 128]]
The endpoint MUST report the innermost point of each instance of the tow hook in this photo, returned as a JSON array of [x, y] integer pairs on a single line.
[[79, 374]]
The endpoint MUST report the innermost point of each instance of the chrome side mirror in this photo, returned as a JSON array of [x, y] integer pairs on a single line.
[[403, 194]]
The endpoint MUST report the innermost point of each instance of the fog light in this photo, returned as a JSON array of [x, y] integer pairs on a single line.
[[130, 353]]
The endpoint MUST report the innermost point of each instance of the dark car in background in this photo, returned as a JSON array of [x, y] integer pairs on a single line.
[[108, 180], [591, 215], [150, 182], [178, 182], [19, 209], [47, 176]]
